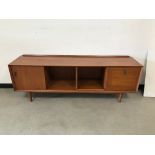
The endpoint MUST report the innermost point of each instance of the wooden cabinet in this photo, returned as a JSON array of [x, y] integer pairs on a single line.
[[75, 74]]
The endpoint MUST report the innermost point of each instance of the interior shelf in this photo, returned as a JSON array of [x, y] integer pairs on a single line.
[[62, 85], [90, 84]]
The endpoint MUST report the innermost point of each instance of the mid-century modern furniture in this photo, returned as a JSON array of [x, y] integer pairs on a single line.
[[75, 74]]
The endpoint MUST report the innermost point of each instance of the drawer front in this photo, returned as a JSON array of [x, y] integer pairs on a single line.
[[28, 78], [122, 78]]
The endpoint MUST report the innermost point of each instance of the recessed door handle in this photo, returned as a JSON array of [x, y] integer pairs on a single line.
[[15, 74], [125, 72]]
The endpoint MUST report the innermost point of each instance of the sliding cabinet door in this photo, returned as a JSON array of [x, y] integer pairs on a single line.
[[28, 77], [122, 78]]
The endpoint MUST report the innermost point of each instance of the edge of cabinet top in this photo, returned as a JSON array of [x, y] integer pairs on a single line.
[[74, 60]]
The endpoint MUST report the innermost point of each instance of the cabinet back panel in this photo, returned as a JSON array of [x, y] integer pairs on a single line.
[[90, 72], [61, 73]]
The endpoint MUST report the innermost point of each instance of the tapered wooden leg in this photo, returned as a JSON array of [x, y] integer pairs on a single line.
[[30, 96], [120, 97]]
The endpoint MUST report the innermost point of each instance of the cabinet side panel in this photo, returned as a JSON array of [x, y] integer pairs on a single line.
[[139, 78], [11, 76]]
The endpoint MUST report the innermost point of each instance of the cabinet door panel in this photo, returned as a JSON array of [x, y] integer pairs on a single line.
[[28, 78], [122, 78]]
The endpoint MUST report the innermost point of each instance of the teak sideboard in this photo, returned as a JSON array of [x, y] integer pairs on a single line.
[[75, 74]]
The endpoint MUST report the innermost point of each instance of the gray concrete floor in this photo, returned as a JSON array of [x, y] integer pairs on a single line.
[[75, 114]]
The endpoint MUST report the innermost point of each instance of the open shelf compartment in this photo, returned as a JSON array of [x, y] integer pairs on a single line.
[[60, 78], [90, 78], [74, 78]]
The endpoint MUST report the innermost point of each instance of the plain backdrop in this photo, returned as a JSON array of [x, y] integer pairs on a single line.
[[92, 37], [73, 9]]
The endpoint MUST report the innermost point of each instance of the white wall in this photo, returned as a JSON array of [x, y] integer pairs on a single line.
[[98, 37]]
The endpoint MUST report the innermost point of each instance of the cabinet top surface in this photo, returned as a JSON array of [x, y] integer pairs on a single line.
[[70, 60]]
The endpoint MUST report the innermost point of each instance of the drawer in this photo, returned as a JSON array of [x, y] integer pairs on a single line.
[[122, 78]]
